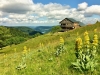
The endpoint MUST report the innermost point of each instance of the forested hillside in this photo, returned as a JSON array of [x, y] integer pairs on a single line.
[[10, 35]]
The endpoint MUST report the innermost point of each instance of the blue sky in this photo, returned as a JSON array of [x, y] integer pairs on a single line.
[[72, 3], [47, 12]]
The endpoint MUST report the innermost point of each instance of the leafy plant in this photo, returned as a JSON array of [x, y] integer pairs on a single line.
[[86, 54], [60, 48]]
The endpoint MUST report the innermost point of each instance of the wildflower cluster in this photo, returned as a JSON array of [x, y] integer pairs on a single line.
[[86, 39], [60, 48], [78, 46], [41, 47], [86, 53], [22, 65], [25, 50], [15, 50], [61, 40]]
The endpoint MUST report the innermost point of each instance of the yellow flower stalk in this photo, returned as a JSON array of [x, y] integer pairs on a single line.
[[95, 40], [95, 30], [25, 50], [41, 45], [14, 49], [78, 43], [86, 33], [86, 38], [61, 40], [29, 49]]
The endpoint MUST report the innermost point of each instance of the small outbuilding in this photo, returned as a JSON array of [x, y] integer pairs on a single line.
[[70, 23]]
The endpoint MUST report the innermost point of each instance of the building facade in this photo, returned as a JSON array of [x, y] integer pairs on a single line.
[[69, 24]]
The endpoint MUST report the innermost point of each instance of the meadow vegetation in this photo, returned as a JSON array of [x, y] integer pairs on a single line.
[[54, 54]]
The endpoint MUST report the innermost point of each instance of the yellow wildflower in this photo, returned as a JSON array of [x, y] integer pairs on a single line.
[[61, 40], [41, 44], [95, 37], [95, 30], [86, 38], [78, 43], [29, 49], [86, 33], [25, 50], [14, 49], [95, 40]]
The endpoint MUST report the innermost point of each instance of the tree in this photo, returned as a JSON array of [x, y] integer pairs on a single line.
[[55, 29], [4, 34]]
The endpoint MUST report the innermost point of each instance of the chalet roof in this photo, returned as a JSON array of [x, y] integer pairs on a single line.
[[81, 23], [71, 19]]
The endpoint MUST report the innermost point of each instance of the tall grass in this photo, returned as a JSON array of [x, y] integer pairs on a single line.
[[42, 60]]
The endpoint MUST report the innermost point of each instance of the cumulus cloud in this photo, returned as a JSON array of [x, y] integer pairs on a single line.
[[1, 14], [94, 9], [16, 6], [82, 6], [25, 11]]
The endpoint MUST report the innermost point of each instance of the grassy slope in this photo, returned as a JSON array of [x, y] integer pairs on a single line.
[[39, 62]]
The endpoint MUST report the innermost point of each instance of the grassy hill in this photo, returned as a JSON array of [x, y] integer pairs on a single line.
[[37, 56]]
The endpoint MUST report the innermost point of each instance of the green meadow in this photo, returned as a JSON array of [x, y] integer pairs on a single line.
[[37, 56]]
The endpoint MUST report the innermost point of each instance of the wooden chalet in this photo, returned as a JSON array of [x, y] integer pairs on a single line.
[[69, 24]]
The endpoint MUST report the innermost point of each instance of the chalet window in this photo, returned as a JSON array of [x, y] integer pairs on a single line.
[[73, 27], [63, 27], [63, 24]]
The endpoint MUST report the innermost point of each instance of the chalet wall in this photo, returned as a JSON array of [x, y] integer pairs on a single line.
[[66, 25], [76, 25]]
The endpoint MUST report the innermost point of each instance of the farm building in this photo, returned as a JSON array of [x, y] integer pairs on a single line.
[[69, 24]]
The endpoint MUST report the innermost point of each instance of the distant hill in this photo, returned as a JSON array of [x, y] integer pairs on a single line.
[[27, 30], [24, 29], [17, 32], [42, 29]]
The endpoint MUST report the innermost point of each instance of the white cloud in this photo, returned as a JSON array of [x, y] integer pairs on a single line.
[[82, 6], [25, 11], [16, 6], [1, 14], [94, 9]]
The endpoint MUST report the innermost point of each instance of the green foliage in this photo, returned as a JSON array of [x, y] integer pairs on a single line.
[[86, 54], [55, 29], [4, 34], [10, 35], [44, 62], [16, 32], [24, 29], [1, 44], [15, 40], [36, 35], [60, 49]]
